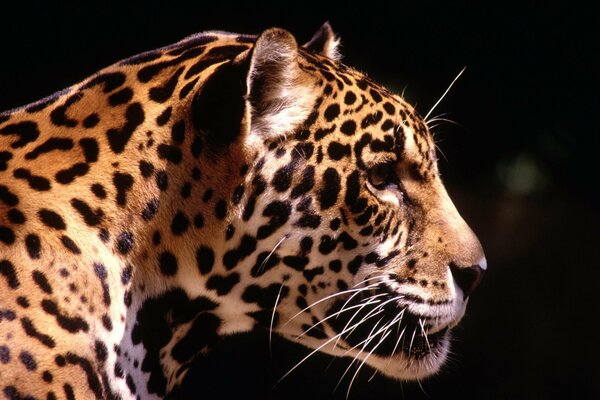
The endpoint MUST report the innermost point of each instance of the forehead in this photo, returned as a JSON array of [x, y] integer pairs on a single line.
[[354, 109]]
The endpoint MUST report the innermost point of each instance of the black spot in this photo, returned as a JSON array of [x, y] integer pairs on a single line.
[[349, 98], [7, 235], [237, 194], [186, 190], [265, 297], [327, 244], [187, 89], [107, 322], [332, 112], [164, 117], [222, 284], [170, 153], [167, 262], [279, 213], [205, 259], [59, 117], [387, 125], [51, 219], [334, 224], [102, 274], [213, 56], [331, 187], [306, 245], [54, 143], [207, 195], [375, 95], [23, 301], [160, 94], [16, 216], [101, 351], [180, 223], [30, 330], [130, 384], [337, 151], [70, 244], [47, 377], [110, 81], [123, 183], [335, 265], [28, 360], [90, 149], [121, 97], [264, 262], [196, 147], [91, 121], [90, 372], [40, 279], [178, 132], [196, 175], [198, 221], [162, 180], [118, 138], [306, 182], [90, 217], [98, 190], [35, 182], [282, 178], [221, 209], [308, 220], [151, 209], [8, 197], [246, 247], [126, 274], [27, 131], [348, 127], [66, 176], [310, 274], [5, 156], [296, 262], [124, 242], [146, 169], [104, 235]]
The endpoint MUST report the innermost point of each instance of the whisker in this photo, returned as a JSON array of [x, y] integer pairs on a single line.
[[363, 363], [444, 95], [273, 318], [262, 265], [327, 298], [424, 334]]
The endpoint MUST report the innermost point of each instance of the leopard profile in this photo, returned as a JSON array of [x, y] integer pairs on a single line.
[[222, 184]]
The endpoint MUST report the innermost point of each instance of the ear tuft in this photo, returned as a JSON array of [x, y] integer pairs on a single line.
[[325, 43], [279, 94]]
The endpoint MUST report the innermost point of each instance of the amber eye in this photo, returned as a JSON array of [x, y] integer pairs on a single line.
[[382, 175]]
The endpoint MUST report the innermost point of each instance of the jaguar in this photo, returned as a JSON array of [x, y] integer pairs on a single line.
[[222, 184]]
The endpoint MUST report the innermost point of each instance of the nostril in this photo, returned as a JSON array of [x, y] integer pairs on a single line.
[[467, 278]]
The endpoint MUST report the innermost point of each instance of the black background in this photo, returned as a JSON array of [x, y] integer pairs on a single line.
[[519, 161]]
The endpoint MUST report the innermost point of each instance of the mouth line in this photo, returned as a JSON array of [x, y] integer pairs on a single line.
[[382, 328]]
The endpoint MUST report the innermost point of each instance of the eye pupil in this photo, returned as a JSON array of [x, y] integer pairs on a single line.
[[381, 175]]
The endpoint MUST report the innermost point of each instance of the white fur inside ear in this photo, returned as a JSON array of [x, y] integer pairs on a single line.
[[280, 95], [325, 42]]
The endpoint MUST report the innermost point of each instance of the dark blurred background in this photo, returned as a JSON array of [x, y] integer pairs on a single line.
[[519, 159]]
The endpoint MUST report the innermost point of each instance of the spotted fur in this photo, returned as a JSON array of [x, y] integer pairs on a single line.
[[221, 184]]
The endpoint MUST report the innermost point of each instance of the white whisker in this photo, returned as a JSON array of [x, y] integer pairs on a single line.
[[444, 95], [273, 317]]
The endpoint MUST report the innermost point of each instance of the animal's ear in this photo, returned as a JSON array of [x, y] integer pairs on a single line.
[[260, 94], [280, 96], [325, 42]]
